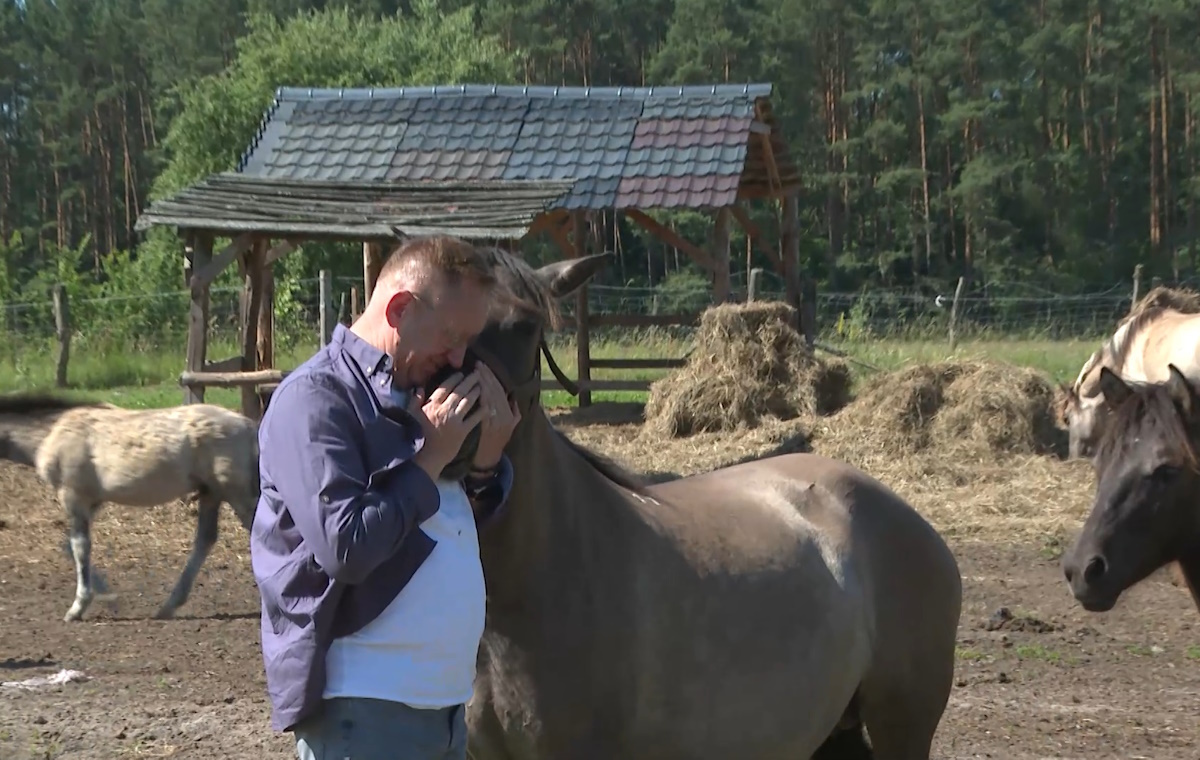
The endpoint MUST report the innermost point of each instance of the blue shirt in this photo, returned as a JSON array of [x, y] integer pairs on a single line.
[[336, 533]]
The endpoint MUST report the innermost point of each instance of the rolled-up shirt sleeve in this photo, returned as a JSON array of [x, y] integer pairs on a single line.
[[351, 519]]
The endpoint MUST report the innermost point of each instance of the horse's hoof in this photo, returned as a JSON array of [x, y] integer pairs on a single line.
[[72, 616], [165, 613]]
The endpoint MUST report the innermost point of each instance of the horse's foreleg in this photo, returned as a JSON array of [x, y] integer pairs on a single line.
[[207, 523], [79, 517]]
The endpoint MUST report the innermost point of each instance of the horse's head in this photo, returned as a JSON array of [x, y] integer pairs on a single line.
[[1144, 511], [511, 342]]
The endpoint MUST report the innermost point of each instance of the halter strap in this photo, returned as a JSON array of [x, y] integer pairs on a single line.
[[535, 378]]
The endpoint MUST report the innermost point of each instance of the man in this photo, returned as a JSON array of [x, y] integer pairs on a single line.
[[366, 560]]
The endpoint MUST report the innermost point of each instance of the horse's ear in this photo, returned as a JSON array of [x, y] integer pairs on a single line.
[[1115, 389], [1183, 393], [566, 276]]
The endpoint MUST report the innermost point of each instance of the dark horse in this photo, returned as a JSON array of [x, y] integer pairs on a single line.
[[1144, 514], [765, 610]]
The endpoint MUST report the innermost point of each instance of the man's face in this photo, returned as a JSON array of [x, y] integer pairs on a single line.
[[434, 328]]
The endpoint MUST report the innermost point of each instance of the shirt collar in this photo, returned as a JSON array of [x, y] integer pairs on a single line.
[[375, 363], [371, 359]]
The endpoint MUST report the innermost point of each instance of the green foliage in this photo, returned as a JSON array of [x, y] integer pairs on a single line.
[[332, 48], [1018, 142]]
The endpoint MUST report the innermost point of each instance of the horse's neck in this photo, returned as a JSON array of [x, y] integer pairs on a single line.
[[24, 436], [563, 525]]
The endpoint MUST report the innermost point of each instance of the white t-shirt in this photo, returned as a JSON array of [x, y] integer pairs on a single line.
[[421, 649]]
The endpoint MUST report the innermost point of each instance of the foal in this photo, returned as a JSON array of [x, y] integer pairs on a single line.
[[95, 453]]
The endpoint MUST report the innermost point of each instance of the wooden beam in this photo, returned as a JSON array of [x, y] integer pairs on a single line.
[[756, 237], [790, 254], [231, 379], [372, 263], [547, 222], [722, 287], [671, 238], [207, 275], [197, 344], [278, 251], [252, 304], [583, 350], [265, 350]]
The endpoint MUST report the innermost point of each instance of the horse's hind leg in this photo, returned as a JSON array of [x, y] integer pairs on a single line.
[[79, 518], [207, 524]]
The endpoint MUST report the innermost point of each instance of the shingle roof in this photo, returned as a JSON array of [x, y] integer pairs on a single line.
[[233, 203], [623, 147]]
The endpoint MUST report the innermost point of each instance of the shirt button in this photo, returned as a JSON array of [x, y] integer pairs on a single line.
[[325, 498]]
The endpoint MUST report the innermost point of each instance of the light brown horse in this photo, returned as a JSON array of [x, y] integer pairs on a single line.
[[1163, 329], [95, 453], [770, 609], [1144, 514]]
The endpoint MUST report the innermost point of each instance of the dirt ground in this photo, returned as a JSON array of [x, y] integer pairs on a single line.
[[1037, 676]]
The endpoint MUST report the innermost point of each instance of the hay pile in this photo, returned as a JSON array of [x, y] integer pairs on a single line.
[[748, 367], [970, 410]]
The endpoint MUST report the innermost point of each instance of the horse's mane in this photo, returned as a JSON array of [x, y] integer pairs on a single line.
[[1148, 404], [532, 295], [38, 403], [1153, 305], [525, 291]]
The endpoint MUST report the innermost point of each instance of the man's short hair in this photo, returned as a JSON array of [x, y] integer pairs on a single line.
[[445, 258]]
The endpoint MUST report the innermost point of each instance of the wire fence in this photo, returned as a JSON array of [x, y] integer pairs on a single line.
[[144, 321]]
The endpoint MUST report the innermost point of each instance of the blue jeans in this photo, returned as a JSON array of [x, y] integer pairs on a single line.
[[373, 729]]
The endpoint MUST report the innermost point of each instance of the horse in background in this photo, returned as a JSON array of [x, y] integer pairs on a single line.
[[1144, 514], [1162, 329], [92, 453]]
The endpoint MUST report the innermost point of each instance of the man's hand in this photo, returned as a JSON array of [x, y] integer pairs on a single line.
[[500, 418], [445, 421]]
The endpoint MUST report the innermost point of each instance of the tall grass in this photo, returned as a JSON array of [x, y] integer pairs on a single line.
[[145, 378]]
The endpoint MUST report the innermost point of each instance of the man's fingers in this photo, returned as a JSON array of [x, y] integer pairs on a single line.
[[441, 392]]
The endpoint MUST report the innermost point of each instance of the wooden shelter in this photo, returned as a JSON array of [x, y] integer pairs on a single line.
[[481, 162]]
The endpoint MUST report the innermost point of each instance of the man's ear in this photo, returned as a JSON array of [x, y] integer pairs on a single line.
[[396, 306], [566, 276]]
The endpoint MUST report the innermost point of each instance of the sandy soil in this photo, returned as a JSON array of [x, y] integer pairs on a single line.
[[1037, 676]]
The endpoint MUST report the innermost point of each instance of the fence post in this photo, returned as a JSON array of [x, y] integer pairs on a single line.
[[1137, 286], [341, 314], [353, 303], [753, 284], [326, 296], [958, 289], [62, 329]]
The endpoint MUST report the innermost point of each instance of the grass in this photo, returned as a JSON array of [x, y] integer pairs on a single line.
[[150, 379]]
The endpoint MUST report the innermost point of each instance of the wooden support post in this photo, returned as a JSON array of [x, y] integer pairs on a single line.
[[325, 310], [354, 308], [252, 297], [808, 312], [722, 288], [582, 337], [790, 257], [341, 312], [197, 345], [753, 284], [958, 289], [62, 330], [266, 320], [1137, 286], [372, 263]]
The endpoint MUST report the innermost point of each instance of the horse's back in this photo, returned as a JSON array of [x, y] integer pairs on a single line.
[[145, 456]]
